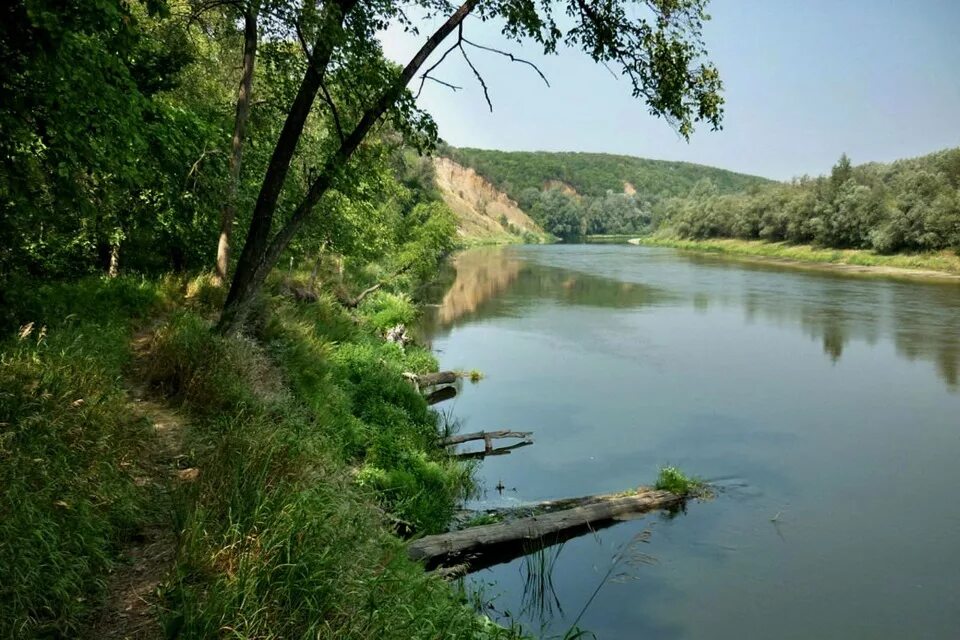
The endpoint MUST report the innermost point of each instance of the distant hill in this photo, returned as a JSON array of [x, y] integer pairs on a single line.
[[571, 194], [594, 174]]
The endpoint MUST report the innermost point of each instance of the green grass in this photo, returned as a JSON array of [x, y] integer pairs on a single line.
[[945, 262], [69, 450], [676, 481], [312, 451]]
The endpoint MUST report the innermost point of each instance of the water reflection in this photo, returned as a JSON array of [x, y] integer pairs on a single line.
[[495, 282], [921, 319]]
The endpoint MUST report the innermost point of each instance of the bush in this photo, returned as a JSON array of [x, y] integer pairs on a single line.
[[385, 310]]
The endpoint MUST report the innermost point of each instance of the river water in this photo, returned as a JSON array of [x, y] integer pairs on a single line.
[[825, 408]]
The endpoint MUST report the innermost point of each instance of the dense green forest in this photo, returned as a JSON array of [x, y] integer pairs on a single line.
[[122, 162], [905, 206], [577, 194]]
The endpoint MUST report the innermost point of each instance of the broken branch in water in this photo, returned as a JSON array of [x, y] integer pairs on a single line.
[[498, 451], [487, 436]]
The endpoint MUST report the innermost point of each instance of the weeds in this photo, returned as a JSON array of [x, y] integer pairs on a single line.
[[675, 481], [309, 444]]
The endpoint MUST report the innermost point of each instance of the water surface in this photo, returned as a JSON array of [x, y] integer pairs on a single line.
[[826, 408]]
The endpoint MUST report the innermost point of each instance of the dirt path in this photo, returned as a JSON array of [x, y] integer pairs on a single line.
[[147, 558]]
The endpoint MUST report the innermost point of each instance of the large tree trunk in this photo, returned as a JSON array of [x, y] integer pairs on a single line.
[[229, 209], [260, 252], [250, 274]]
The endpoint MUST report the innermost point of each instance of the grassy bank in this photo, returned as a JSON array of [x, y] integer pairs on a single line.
[[924, 264], [312, 452]]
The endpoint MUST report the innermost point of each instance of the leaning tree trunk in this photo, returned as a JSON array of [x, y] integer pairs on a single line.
[[229, 209], [260, 252]]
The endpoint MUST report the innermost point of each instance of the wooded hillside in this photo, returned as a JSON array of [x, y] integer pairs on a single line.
[[573, 194]]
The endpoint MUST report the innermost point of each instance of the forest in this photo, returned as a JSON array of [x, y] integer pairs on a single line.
[[576, 194], [910, 205]]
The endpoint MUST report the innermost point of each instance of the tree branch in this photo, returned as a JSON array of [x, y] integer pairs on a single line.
[[512, 57], [426, 74], [339, 159], [333, 109], [486, 93]]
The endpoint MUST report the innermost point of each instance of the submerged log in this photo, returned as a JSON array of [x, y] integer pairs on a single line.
[[441, 394], [497, 451], [487, 436], [490, 544]]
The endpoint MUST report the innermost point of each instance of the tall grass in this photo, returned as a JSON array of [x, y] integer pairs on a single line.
[[315, 449], [312, 451], [69, 450]]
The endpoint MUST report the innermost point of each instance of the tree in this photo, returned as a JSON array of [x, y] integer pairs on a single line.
[[249, 12], [662, 55]]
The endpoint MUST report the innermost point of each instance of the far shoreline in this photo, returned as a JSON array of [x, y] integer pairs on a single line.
[[943, 267]]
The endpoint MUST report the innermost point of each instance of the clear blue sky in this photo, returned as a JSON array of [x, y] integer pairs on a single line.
[[805, 81]]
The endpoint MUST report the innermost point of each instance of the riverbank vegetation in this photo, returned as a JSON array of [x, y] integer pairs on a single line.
[[944, 262], [908, 206], [312, 451]]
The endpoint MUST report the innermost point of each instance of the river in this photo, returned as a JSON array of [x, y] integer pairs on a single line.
[[825, 409]]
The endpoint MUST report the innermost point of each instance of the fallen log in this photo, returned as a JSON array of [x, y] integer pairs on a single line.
[[550, 506], [441, 394], [487, 436], [486, 545]]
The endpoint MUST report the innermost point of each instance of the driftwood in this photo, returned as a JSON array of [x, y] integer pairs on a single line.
[[441, 394], [491, 544], [487, 436]]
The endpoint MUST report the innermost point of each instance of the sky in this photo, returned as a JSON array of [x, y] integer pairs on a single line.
[[805, 80]]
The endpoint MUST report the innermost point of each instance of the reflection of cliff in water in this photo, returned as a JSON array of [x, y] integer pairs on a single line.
[[482, 274], [494, 282]]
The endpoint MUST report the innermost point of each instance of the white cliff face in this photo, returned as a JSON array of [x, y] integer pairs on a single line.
[[480, 207]]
